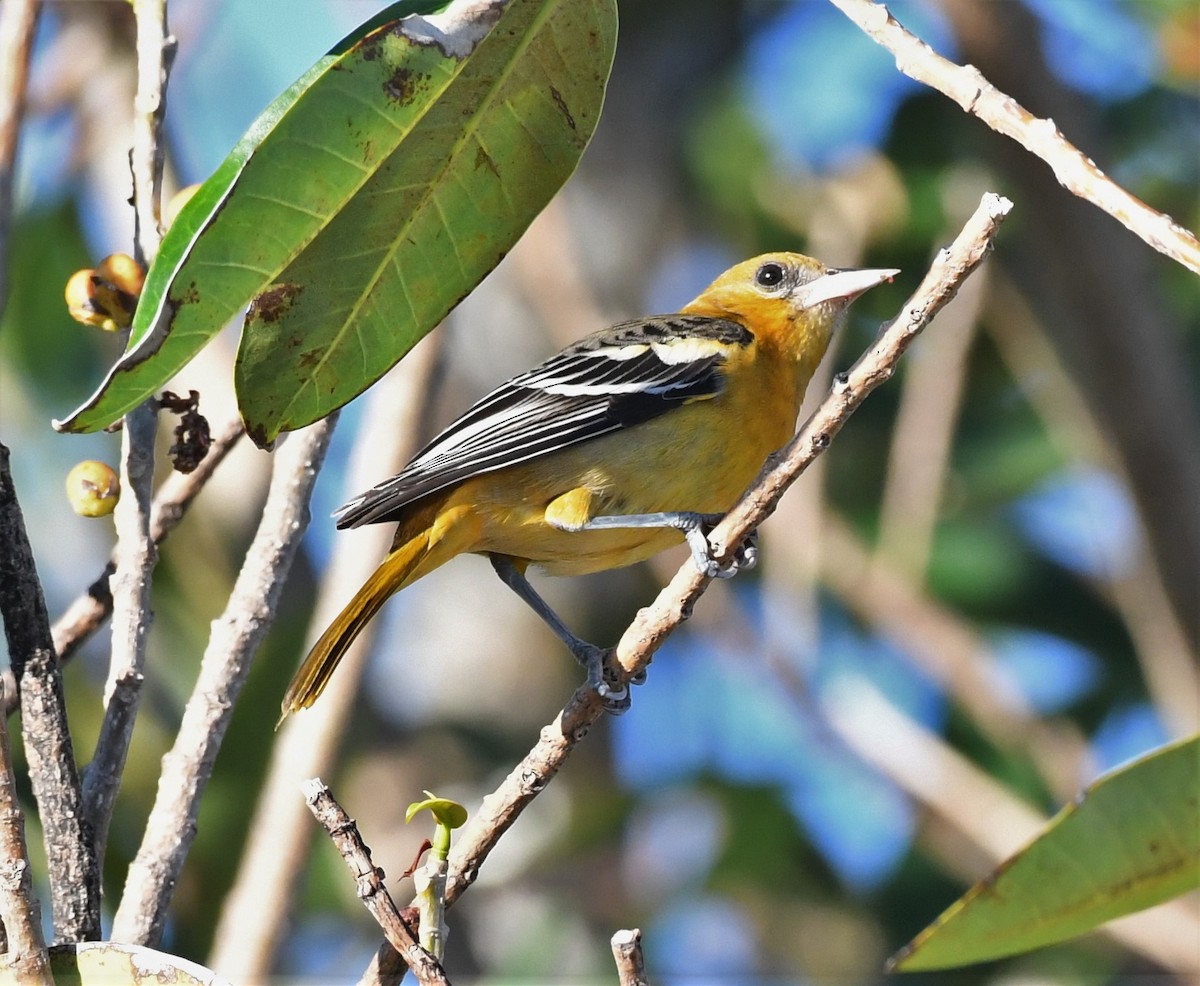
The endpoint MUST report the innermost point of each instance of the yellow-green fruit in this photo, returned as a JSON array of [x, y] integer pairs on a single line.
[[123, 273], [107, 296], [93, 489]]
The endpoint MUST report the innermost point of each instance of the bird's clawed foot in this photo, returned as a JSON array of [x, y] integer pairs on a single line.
[[604, 677], [696, 528]]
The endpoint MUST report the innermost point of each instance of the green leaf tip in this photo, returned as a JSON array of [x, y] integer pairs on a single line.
[[448, 813], [1129, 841]]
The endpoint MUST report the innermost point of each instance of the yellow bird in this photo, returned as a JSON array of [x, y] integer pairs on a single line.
[[626, 442]]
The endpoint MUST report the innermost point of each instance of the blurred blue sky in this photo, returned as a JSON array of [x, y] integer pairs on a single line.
[[1082, 519], [823, 92]]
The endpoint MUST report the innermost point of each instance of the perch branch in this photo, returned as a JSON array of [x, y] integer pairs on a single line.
[[369, 878], [74, 887], [235, 637], [639, 642], [1076, 172]]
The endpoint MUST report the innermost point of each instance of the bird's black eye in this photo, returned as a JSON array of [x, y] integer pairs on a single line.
[[769, 275]]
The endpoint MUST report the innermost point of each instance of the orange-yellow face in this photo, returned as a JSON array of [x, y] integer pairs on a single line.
[[788, 300]]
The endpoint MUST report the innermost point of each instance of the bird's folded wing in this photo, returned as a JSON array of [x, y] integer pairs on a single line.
[[609, 380]]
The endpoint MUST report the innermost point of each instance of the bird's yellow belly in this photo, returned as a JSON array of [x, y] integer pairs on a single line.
[[689, 469]]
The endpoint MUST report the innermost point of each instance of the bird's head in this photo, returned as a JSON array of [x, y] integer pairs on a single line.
[[789, 297]]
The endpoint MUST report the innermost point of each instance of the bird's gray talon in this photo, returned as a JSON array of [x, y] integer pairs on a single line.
[[603, 679], [616, 702]]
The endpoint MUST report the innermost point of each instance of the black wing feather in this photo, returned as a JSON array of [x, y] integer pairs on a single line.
[[575, 396]]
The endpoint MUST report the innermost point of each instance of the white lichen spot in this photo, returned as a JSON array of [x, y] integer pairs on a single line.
[[457, 29]]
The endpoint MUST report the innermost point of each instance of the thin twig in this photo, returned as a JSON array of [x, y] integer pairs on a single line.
[[74, 887], [135, 553], [1076, 172], [627, 953], [281, 831], [20, 914], [369, 880], [171, 501], [223, 669], [135, 556], [652, 625]]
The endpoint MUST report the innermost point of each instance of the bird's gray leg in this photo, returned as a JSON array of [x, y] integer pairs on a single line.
[[594, 659]]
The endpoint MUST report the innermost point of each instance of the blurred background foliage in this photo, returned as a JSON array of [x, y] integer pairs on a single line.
[[1002, 546]]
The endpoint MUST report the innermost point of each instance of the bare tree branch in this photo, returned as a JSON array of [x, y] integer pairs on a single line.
[[281, 831], [369, 879], [627, 953], [74, 886], [171, 501], [155, 53], [18, 19], [652, 625], [19, 911], [135, 556], [226, 662], [135, 553], [1075, 171]]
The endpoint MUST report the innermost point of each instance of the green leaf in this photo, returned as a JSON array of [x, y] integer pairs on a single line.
[[1130, 841], [366, 202], [448, 813], [102, 963]]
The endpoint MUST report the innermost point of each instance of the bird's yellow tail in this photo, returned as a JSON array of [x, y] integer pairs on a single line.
[[431, 547]]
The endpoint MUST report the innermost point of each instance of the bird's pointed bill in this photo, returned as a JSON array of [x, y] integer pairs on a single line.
[[841, 284]]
